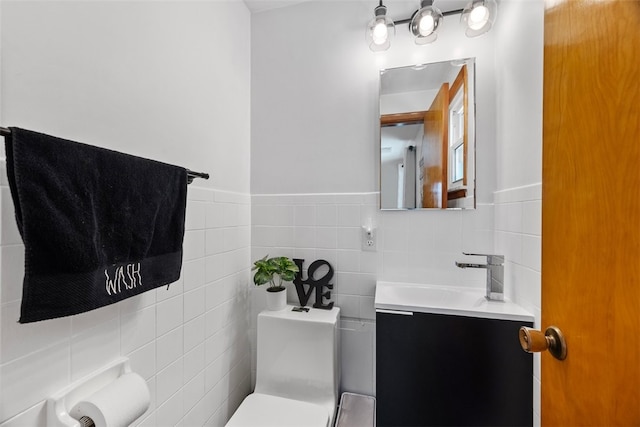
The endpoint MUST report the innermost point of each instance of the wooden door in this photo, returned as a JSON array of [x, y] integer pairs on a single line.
[[591, 212], [434, 151]]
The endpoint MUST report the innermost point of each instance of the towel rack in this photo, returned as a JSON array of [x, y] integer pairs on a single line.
[[191, 175]]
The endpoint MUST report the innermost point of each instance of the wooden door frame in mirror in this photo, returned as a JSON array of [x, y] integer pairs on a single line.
[[402, 118]]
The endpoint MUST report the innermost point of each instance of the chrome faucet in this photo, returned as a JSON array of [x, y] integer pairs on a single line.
[[495, 275]]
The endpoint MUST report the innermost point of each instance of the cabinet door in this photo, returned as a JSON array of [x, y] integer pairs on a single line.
[[434, 369], [398, 360]]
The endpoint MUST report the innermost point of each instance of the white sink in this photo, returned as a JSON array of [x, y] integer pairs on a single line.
[[458, 301]]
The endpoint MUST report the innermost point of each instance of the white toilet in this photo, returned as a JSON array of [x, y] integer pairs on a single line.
[[298, 371]]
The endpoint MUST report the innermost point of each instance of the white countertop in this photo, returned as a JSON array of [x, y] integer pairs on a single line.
[[457, 301]]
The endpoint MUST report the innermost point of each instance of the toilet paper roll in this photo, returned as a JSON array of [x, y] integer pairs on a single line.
[[117, 404]]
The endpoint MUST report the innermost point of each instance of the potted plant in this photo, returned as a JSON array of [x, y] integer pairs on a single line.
[[274, 271]]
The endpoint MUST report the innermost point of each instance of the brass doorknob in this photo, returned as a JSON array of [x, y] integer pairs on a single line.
[[534, 341]]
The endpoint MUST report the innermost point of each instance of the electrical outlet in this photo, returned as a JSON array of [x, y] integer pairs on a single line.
[[369, 239]]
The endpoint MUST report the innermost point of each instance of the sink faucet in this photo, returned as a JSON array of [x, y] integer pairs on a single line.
[[495, 275]]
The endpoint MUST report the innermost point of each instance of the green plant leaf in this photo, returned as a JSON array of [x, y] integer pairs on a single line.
[[266, 268], [287, 269], [261, 264], [261, 277]]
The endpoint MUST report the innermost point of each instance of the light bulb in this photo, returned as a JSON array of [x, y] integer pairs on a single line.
[[425, 22], [478, 17], [380, 33], [426, 25], [380, 30]]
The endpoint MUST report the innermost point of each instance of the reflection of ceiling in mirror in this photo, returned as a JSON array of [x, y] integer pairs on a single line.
[[411, 79]]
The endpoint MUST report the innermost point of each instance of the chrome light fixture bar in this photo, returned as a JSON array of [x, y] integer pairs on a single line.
[[477, 18]]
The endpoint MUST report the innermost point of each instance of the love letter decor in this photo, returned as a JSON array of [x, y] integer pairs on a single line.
[[312, 282]]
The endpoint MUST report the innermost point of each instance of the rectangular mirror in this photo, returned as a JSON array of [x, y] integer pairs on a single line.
[[427, 136]]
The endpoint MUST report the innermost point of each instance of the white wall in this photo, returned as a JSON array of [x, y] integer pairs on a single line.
[[518, 199], [155, 79], [315, 154], [168, 81], [315, 96]]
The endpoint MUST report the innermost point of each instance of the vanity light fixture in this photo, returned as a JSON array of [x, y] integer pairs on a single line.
[[425, 22], [380, 30], [477, 18]]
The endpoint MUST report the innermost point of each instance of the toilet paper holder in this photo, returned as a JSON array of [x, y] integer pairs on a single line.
[[59, 405]]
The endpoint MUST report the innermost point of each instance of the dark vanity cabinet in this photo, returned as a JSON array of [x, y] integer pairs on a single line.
[[446, 370]]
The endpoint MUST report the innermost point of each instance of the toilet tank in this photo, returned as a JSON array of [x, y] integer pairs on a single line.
[[298, 355]]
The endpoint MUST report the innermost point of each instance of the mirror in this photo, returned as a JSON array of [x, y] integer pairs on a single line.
[[427, 136]]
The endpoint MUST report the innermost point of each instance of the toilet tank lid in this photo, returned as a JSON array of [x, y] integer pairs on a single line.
[[313, 315]]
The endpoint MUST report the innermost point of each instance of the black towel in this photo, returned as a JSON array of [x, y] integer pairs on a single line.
[[98, 226]]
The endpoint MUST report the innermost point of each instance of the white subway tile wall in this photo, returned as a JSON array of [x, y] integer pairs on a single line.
[[518, 231], [190, 342], [412, 246]]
